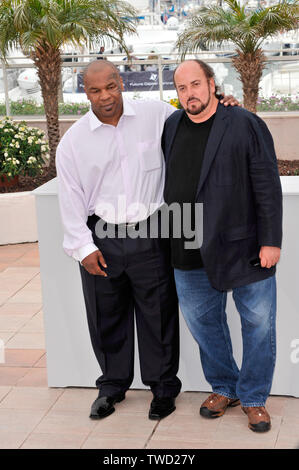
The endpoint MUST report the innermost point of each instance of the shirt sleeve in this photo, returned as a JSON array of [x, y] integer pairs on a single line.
[[77, 241], [169, 109]]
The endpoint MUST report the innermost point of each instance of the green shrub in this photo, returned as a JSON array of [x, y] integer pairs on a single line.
[[23, 150]]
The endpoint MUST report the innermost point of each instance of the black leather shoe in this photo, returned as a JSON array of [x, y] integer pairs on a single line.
[[161, 407], [103, 406]]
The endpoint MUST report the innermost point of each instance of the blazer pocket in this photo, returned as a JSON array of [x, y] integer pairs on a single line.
[[151, 155], [239, 233]]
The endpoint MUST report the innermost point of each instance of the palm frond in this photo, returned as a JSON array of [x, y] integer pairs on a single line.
[[247, 30], [59, 21]]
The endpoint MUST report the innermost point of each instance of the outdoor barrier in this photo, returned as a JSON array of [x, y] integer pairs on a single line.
[[70, 358]]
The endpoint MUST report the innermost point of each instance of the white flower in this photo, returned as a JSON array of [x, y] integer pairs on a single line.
[[31, 160], [5, 154]]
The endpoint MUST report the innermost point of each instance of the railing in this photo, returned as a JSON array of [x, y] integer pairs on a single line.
[[224, 57]]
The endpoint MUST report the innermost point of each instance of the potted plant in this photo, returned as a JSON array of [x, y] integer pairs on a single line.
[[23, 151]]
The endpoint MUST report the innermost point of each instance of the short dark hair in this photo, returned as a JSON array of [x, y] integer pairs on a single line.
[[207, 69]]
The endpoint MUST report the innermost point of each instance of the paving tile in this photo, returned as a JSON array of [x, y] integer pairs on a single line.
[[22, 357], [12, 440], [124, 425], [3, 298], [3, 265], [76, 399], [6, 336], [136, 401], [12, 322], [23, 421], [27, 341], [11, 375], [30, 258], [235, 429], [32, 415], [110, 442], [34, 325], [17, 248], [164, 444], [27, 398], [66, 422], [288, 432], [189, 402], [26, 295], [275, 405], [42, 362], [53, 441], [185, 428], [287, 443], [25, 309], [241, 444], [35, 377], [19, 273], [291, 408], [4, 391]]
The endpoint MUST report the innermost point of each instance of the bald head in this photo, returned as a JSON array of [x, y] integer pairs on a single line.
[[103, 86], [195, 85], [98, 66], [190, 64]]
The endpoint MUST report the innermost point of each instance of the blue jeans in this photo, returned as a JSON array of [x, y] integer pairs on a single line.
[[203, 308]]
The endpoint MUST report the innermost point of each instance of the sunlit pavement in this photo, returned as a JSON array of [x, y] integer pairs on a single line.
[[32, 415]]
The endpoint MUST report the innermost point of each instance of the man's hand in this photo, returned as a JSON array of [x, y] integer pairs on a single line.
[[269, 256], [229, 100], [91, 263]]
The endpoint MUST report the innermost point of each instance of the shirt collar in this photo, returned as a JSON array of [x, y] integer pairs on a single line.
[[94, 122]]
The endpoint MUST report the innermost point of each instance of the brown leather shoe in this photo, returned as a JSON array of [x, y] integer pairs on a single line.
[[258, 417], [215, 405]]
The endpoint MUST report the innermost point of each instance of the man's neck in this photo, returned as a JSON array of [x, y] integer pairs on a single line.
[[113, 120]]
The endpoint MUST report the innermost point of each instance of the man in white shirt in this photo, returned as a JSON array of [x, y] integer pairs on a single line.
[[111, 158], [110, 168]]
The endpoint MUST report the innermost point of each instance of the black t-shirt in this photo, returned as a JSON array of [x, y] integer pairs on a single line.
[[181, 186]]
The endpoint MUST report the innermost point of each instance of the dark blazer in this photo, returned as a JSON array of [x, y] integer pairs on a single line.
[[240, 189]]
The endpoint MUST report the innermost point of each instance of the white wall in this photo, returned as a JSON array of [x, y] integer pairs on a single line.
[[139, 4]]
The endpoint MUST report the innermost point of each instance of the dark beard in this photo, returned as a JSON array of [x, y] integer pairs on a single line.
[[202, 107]]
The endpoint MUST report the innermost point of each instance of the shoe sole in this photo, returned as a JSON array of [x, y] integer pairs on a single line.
[[109, 412], [206, 413], [260, 427], [156, 417]]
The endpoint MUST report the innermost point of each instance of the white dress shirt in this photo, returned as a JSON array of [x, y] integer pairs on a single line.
[[116, 173]]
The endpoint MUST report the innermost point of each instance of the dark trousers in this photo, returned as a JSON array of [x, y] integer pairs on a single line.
[[140, 280]]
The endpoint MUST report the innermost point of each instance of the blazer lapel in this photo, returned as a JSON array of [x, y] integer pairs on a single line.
[[172, 133], [218, 128]]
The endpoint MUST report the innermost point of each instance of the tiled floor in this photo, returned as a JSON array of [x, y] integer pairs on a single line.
[[34, 416]]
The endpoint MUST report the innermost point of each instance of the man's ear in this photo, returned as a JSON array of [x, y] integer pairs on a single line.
[[212, 85], [121, 84]]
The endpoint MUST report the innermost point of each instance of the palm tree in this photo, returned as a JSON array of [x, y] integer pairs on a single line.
[[42, 27], [247, 30]]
